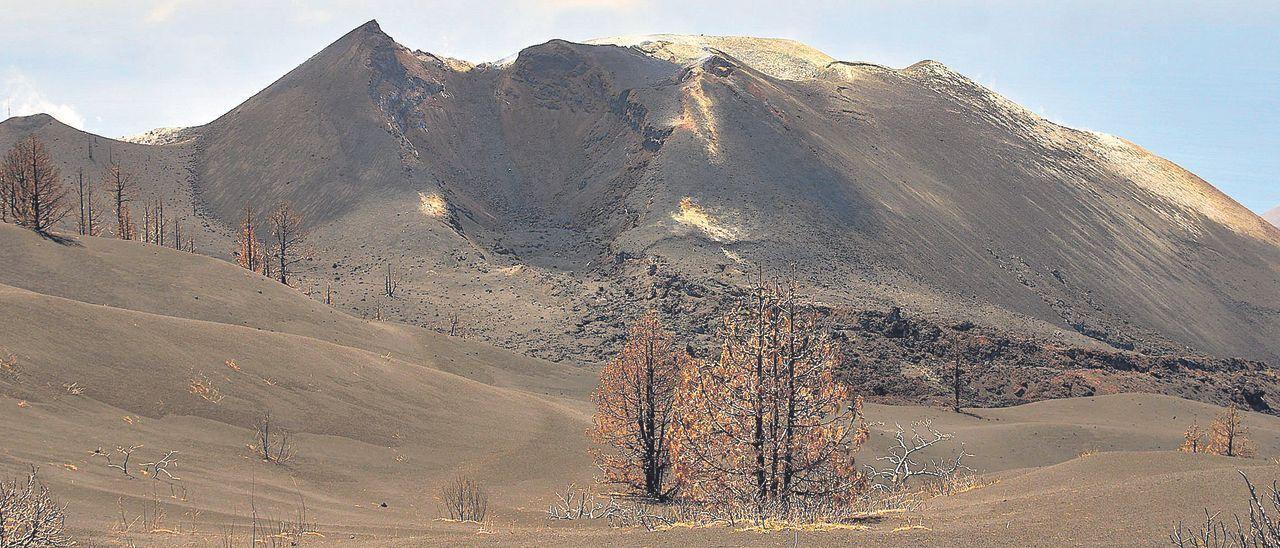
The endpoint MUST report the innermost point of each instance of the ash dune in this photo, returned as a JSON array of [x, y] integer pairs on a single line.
[[384, 413]]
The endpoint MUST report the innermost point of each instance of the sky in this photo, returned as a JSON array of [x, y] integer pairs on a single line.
[[1195, 82]]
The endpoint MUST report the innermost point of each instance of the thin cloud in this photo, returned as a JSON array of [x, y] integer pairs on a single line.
[[569, 5], [162, 11], [21, 97]]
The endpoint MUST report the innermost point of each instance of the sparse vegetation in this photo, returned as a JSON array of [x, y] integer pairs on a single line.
[[1260, 530], [29, 517], [249, 250], [203, 386], [1227, 436], [120, 189], [287, 240], [122, 459], [903, 459], [634, 410], [31, 187], [271, 442], [464, 499], [767, 430]]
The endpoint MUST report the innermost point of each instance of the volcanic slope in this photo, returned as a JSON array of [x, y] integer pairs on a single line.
[[127, 344], [546, 198]]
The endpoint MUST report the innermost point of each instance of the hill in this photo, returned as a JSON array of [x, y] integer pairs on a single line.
[[120, 343], [1273, 216], [546, 199]]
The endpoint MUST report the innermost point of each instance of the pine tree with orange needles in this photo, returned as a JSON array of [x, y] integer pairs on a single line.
[[248, 251], [1229, 437], [1193, 439], [31, 185], [120, 188], [634, 410], [768, 426]]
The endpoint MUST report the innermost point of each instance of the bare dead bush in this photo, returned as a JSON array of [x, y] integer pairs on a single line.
[[464, 499], [904, 459], [121, 461], [29, 516], [273, 443], [1261, 530]]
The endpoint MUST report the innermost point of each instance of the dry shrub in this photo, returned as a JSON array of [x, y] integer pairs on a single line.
[[29, 516], [272, 442], [1227, 436], [1192, 439], [464, 499], [203, 386], [9, 367], [1261, 530]]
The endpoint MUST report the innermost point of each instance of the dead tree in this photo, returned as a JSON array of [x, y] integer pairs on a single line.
[[287, 240], [635, 408], [248, 250], [120, 189], [177, 235], [955, 386], [124, 452], [29, 516], [34, 194], [464, 499], [1229, 437], [903, 454], [90, 213], [274, 443], [83, 222], [390, 282]]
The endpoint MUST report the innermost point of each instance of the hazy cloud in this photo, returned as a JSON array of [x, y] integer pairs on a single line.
[[566, 5], [162, 11], [21, 97], [309, 13]]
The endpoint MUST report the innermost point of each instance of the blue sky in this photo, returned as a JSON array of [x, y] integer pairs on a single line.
[[1196, 82]]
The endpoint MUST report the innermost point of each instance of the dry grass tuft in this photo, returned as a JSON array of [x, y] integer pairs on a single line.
[[203, 386]]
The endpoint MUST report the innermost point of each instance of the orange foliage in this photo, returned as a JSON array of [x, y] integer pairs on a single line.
[[248, 251], [767, 427], [634, 410], [1193, 439], [1228, 437]]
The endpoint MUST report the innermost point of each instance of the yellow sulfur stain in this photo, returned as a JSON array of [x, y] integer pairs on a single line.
[[697, 117], [691, 214], [432, 205]]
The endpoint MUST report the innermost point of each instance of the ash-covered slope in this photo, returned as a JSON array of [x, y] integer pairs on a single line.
[[158, 174], [545, 198]]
